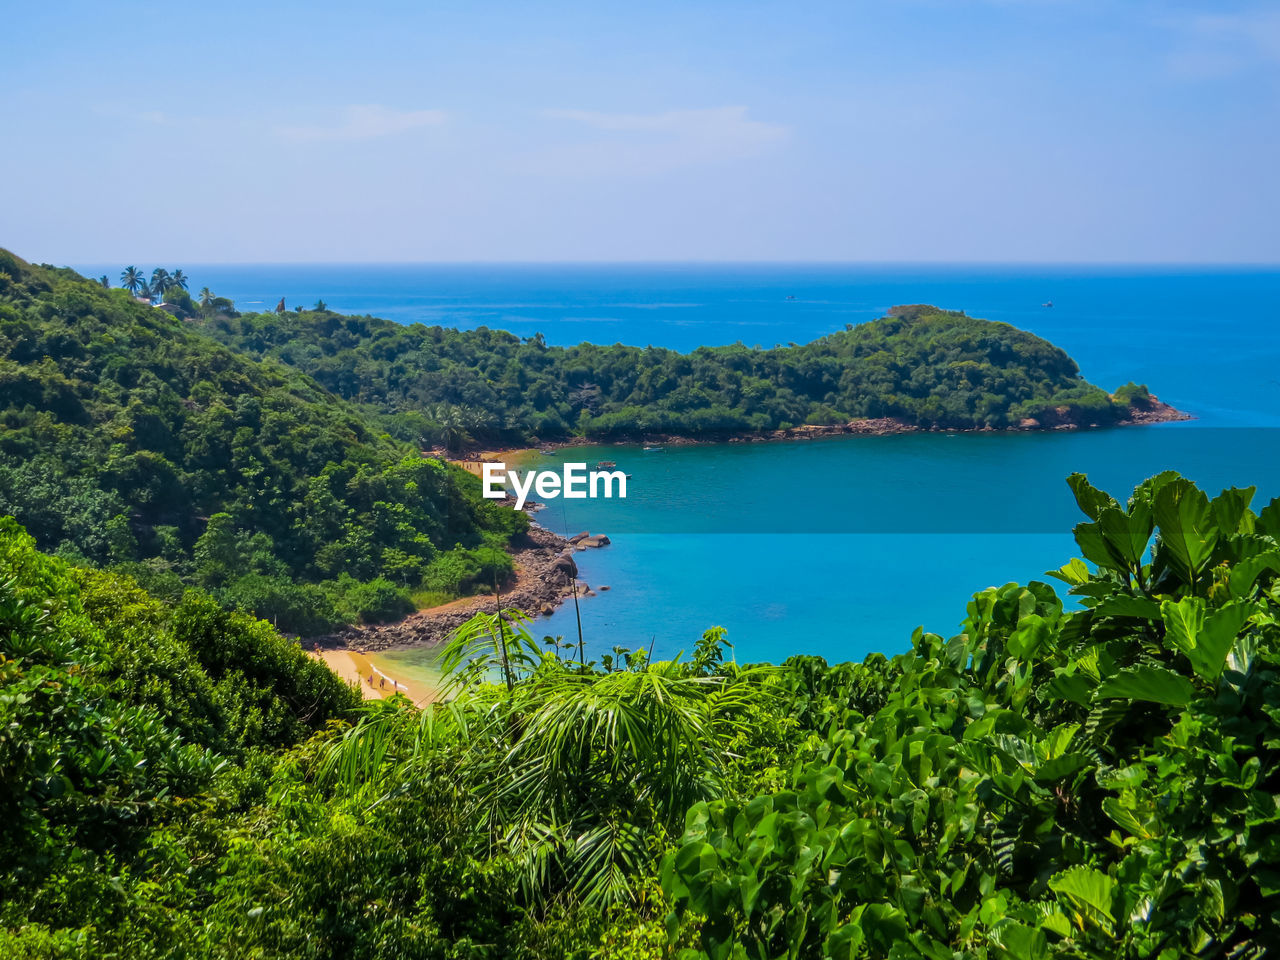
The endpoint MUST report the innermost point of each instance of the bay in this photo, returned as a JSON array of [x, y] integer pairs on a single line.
[[842, 547]]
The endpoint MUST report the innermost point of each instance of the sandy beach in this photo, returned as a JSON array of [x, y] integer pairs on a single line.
[[354, 667]]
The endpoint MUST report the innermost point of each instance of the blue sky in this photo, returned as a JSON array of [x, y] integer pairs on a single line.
[[911, 130]]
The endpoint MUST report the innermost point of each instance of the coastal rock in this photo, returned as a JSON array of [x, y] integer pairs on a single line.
[[578, 537], [604, 586], [1154, 410]]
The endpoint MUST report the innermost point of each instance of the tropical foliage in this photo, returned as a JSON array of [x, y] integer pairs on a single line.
[[1093, 782], [1096, 783]]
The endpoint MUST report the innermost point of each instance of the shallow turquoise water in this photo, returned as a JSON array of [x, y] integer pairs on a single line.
[[897, 532], [922, 521]]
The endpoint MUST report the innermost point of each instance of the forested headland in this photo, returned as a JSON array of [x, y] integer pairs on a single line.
[[921, 366], [179, 781]]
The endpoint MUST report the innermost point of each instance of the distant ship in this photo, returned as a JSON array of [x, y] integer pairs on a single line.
[[1047, 303], [791, 296]]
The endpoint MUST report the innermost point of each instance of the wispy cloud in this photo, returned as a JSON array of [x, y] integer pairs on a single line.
[[366, 122], [1225, 42], [655, 142]]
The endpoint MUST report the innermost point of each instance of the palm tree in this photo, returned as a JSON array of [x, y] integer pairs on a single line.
[[453, 428], [144, 290], [570, 769], [160, 281], [106, 284], [131, 279], [179, 279], [458, 424], [206, 297]]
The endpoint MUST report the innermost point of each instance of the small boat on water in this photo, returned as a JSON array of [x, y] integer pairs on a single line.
[[1047, 303], [651, 449], [605, 464]]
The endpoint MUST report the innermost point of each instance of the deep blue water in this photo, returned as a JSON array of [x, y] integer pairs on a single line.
[[921, 522]]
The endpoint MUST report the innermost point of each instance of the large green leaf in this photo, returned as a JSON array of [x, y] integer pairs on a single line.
[[1231, 510], [1089, 498], [1127, 605], [1151, 683], [1268, 522], [1245, 574], [1188, 533], [1205, 639], [1075, 573], [1128, 533], [1089, 892], [1117, 538], [1020, 942]]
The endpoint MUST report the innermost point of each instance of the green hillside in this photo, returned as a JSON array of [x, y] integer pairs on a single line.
[[128, 437], [924, 366]]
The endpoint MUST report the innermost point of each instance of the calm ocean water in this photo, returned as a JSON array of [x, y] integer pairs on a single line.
[[886, 533]]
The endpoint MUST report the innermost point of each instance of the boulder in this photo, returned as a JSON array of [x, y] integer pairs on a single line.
[[564, 564], [603, 586], [580, 536]]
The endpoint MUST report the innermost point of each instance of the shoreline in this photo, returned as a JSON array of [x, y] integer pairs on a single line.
[[1156, 411]]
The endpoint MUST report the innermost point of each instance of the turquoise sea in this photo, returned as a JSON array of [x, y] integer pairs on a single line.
[[843, 546]]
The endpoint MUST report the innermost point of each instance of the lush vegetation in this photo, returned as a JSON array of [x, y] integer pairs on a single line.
[[1099, 782], [925, 366], [130, 439]]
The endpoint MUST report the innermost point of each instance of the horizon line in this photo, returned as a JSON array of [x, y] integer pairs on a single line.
[[1254, 264]]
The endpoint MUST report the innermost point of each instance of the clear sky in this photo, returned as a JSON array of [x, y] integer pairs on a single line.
[[903, 130]]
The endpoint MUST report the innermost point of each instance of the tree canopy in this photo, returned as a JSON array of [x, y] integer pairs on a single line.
[[131, 438]]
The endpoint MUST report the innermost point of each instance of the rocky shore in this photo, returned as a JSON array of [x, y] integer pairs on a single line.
[[1154, 410], [545, 577]]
